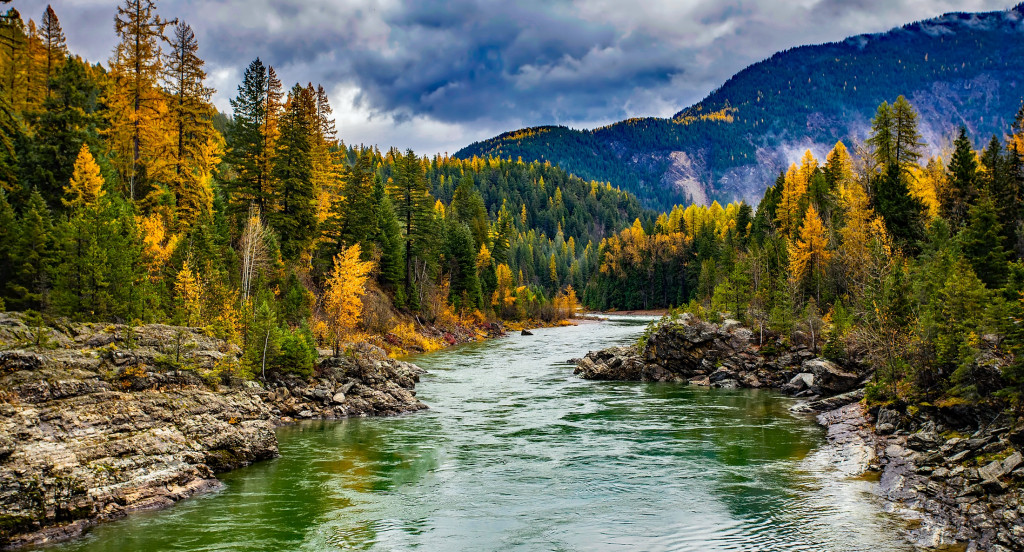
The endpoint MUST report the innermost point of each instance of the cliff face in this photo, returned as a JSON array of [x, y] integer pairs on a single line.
[[93, 429]]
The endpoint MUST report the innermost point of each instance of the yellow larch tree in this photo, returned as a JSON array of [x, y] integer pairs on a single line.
[[863, 235], [793, 195], [86, 185], [343, 296], [189, 293], [158, 243], [138, 135], [809, 254]]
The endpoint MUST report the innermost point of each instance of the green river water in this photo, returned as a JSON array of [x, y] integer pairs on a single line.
[[516, 453]]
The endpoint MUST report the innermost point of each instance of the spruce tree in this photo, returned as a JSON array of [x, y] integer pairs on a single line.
[[982, 243], [295, 217], [55, 47], [246, 142], [962, 188]]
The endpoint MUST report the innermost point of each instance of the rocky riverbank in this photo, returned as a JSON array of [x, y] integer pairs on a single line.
[[95, 426], [956, 473]]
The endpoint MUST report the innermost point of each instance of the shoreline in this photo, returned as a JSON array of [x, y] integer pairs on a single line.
[[95, 430], [954, 489]]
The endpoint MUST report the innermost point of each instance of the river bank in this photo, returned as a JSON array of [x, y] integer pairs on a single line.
[[95, 426], [955, 473]]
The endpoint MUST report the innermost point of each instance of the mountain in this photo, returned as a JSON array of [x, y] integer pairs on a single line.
[[957, 69]]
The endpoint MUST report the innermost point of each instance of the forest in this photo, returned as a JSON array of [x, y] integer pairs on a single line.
[[126, 197], [872, 256]]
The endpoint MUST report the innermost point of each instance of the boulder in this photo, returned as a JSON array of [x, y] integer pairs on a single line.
[[526, 332], [829, 378]]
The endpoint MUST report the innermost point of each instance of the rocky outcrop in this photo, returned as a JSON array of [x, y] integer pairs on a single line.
[[718, 355], [957, 487], [107, 421]]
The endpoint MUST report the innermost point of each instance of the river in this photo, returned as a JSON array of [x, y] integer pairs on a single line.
[[516, 453]]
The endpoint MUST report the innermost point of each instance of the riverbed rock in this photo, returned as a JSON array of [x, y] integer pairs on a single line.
[[120, 419]]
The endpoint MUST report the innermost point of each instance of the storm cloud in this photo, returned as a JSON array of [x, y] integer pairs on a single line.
[[435, 76]]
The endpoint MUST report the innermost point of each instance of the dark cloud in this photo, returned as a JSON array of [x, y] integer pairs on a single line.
[[435, 74]]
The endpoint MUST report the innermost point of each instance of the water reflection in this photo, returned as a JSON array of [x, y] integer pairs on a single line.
[[517, 454]]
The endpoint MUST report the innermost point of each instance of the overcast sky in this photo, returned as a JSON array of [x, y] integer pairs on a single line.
[[436, 76]]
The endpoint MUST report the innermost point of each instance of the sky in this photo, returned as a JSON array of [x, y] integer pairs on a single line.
[[436, 76]]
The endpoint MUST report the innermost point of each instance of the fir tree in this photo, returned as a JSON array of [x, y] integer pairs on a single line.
[[55, 47], [247, 143], [962, 188], [295, 219], [982, 243]]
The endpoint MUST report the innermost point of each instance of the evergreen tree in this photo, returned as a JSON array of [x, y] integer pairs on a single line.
[[247, 143], [55, 47], [962, 187], [34, 256], [411, 194], [295, 220], [902, 212], [982, 243], [460, 264], [388, 235], [9, 241], [468, 208]]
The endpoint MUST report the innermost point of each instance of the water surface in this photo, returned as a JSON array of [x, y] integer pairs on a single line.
[[518, 454]]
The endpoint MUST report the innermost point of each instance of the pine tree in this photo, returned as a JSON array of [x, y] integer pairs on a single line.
[[468, 208], [191, 119], [247, 142], [962, 181], [68, 120], [982, 243], [34, 258], [86, 185], [907, 142], [295, 218], [9, 239], [882, 139], [54, 44], [460, 264], [388, 235], [136, 105], [411, 194], [902, 212]]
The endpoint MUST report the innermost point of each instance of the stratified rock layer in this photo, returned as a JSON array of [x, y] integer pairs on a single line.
[[92, 429]]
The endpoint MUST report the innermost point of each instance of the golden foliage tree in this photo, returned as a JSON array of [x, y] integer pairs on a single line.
[[342, 301], [196, 143], [809, 254], [138, 109], [189, 293], [86, 185]]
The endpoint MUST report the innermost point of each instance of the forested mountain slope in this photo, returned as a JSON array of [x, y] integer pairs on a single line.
[[957, 69]]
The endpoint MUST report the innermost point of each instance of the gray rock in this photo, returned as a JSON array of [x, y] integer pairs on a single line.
[[991, 471], [338, 398], [1012, 462]]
